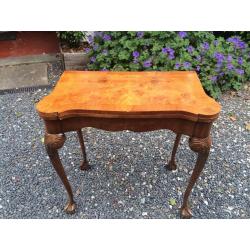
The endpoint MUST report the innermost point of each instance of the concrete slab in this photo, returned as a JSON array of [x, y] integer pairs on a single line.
[[43, 58], [23, 75]]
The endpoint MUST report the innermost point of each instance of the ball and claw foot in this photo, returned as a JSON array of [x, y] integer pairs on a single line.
[[85, 166], [70, 207], [186, 213], [171, 166]]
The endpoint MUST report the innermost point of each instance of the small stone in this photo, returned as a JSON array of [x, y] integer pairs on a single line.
[[144, 214], [121, 202], [143, 200]]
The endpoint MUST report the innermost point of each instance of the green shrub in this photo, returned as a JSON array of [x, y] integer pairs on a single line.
[[245, 35], [72, 38], [221, 63]]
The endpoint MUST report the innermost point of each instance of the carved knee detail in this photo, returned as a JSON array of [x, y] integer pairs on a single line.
[[54, 141], [200, 144]]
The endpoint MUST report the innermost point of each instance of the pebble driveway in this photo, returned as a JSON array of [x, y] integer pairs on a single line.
[[128, 178]]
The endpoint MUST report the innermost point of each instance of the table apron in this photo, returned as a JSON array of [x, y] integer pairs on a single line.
[[179, 126]]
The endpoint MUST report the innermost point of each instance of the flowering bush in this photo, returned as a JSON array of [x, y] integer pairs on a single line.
[[221, 63], [72, 38]]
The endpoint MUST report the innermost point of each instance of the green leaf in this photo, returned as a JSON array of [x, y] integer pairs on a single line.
[[18, 114], [172, 201], [236, 85], [124, 55]]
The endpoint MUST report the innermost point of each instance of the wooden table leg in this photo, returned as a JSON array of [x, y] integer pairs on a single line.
[[52, 143], [172, 165], [84, 165], [202, 147]]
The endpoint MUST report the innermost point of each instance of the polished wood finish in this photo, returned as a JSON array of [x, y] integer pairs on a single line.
[[135, 101], [202, 147], [172, 165], [127, 95], [52, 144], [84, 165]]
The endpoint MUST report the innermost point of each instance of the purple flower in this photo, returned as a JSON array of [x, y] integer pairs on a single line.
[[221, 74], [90, 39], [213, 78], [87, 50], [171, 57], [182, 34], [241, 45], [92, 59], [219, 57], [230, 66], [140, 34], [232, 39], [238, 44], [105, 52], [164, 50], [240, 71], [216, 42], [95, 47], [169, 52], [240, 60], [186, 65], [198, 68], [205, 45], [147, 63], [190, 49], [229, 58], [198, 58], [177, 65], [136, 54], [106, 37]]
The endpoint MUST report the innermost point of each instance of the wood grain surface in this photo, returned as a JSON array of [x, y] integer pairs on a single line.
[[177, 94]]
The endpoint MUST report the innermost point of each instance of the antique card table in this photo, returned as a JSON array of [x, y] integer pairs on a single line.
[[135, 101]]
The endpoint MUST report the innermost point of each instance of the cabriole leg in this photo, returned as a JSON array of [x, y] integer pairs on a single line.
[[172, 165], [202, 147], [84, 165], [53, 142]]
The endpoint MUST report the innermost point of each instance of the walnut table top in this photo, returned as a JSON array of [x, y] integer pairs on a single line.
[[123, 94]]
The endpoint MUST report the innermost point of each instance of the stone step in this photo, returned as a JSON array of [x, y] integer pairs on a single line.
[[23, 75]]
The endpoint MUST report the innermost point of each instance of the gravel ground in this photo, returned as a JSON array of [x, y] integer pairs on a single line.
[[127, 179]]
